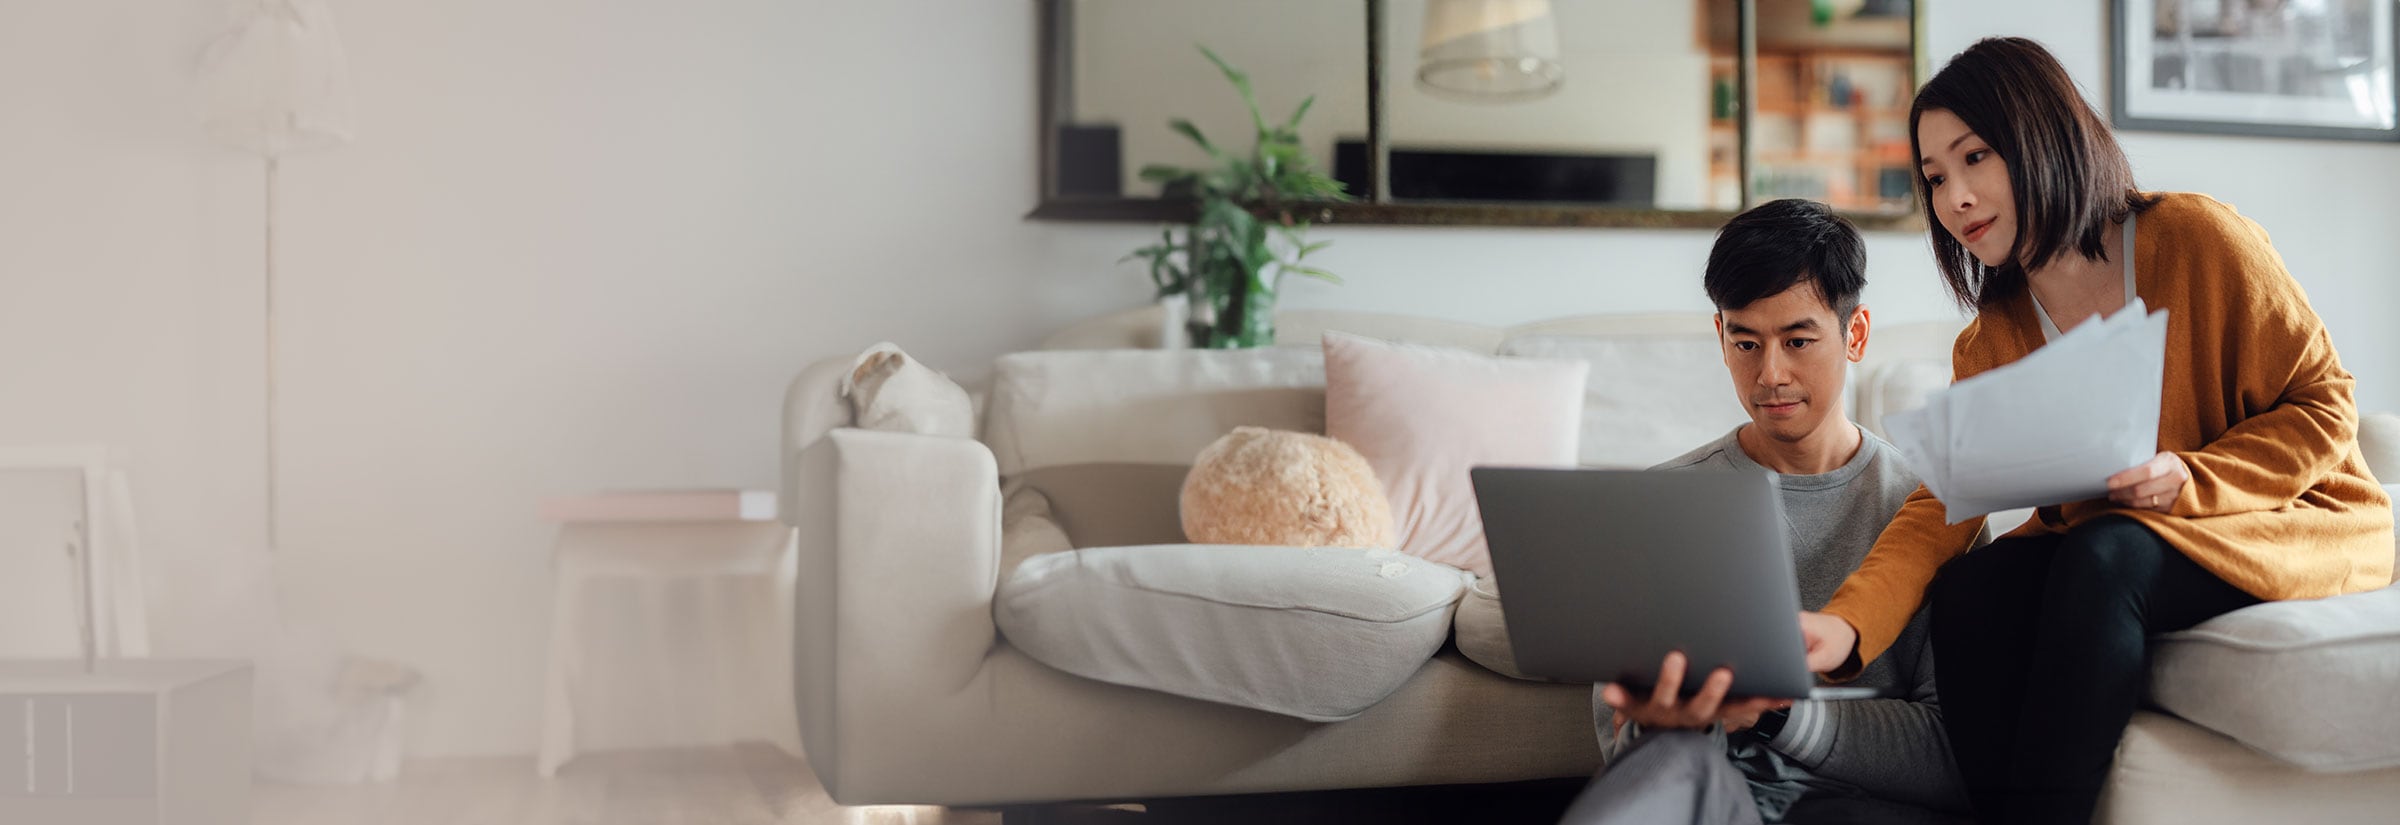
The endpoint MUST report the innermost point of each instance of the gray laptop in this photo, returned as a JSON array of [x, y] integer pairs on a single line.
[[1602, 572]]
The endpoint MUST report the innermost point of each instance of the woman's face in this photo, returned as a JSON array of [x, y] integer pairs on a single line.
[[1971, 193]]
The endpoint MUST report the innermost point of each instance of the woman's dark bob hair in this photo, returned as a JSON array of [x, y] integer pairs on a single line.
[[2069, 178]]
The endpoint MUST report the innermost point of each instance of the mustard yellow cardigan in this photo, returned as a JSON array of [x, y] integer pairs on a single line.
[[2280, 503]]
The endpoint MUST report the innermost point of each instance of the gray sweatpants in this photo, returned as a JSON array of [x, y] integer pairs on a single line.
[[1682, 776], [1676, 776]]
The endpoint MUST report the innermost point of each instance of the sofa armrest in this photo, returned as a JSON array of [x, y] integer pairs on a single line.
[[812, 406], [898, 551]]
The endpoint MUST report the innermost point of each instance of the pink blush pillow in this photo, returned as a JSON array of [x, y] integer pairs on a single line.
[[1423, 415]]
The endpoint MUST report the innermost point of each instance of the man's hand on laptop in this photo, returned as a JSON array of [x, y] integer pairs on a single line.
[[1830, 639], [1664, 709]]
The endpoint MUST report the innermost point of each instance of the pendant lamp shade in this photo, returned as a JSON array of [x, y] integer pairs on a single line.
[[1490, 50], [278, 81]]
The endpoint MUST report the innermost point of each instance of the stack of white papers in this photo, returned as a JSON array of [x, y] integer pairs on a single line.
[[2048, 429]]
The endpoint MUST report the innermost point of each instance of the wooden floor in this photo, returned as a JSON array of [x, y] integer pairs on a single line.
[[753, 784], [758, 784]]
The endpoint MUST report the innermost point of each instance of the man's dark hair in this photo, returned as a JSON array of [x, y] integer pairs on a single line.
[[2069, 178], [1780, 244]]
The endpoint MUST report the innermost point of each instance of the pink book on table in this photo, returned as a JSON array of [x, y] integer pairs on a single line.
[[663, 505]]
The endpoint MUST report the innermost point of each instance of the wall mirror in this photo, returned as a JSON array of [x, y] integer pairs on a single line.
[[1654, 113]]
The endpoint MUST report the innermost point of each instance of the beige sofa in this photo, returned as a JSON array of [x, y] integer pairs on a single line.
[[907, 694]]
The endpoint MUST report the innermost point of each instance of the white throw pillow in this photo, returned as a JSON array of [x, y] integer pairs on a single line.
[[890, 391], [1319, 633]]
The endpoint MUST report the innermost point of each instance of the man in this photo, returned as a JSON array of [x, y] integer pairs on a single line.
[[1786, 278]]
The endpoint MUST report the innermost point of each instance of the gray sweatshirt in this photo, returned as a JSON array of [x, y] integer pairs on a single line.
[[1892, 749]]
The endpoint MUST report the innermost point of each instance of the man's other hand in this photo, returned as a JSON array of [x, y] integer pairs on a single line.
[[1665, 709]]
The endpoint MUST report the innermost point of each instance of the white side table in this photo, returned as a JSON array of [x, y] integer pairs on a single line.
[[670, 623]]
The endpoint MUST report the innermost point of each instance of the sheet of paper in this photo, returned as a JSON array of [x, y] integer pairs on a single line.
[[2047, 429]]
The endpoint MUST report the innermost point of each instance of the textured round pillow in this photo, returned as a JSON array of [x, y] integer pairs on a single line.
[[1272, 487]]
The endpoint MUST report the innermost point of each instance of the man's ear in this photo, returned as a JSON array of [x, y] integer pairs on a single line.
[[1855, 344], [1724, 348]]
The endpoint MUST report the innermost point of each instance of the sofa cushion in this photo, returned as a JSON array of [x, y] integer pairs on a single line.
[[1902, 357], [2172, 772], [1318, 633], [2379, 444], [1112, 504], [2299, 680], [1895, 386], [1649, 398], [1027, 528], [1481, 632], [1143, 406], [1424, 415]]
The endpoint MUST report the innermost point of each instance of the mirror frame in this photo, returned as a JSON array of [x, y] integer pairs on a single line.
[[1056, 27]]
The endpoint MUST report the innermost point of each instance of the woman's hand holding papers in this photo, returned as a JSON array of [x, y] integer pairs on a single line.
[[1665, 709], [2151, 485]]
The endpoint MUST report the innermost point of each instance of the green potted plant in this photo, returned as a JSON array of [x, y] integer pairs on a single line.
[[1230, 260]]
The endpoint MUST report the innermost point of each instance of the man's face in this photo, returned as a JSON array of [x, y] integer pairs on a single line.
[[1787, 355]]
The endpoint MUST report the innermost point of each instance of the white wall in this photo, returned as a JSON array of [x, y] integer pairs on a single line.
[[578, 245], [582, 245]]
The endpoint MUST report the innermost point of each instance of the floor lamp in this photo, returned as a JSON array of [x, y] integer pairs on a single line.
[[277, 82]]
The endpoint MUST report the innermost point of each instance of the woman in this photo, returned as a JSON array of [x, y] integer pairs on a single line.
[[2258, 491]]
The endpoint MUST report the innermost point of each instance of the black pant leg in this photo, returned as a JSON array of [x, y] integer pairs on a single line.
[[1983, 648], [2111, 584]]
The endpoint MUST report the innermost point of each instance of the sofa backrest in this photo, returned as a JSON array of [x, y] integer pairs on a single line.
[[1649, 397], [1657, 387], [1051, 409], [1107, 433]]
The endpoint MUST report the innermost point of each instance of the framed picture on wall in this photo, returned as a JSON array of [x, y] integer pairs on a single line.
[[2275, 68]]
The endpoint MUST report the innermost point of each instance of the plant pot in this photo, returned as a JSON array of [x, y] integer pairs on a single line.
[[1244, 319], [1252, 326]]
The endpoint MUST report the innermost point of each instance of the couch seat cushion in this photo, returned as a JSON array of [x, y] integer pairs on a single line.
[[2172, 772], [1317, 633], [2306, 681]]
